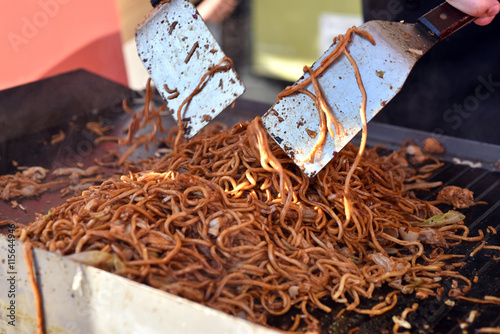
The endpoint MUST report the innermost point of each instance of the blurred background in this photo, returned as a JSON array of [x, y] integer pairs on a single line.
[[454, 90], [269, 41]]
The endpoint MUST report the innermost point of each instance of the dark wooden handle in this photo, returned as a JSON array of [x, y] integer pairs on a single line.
[[444, 20], [155, 3]]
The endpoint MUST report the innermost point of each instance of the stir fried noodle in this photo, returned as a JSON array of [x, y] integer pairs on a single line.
[[229, 221]]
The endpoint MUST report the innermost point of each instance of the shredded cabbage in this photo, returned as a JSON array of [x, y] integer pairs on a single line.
[[448, 218]]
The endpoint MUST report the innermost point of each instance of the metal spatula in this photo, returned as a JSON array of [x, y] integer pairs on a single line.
[[293, 121], [178, 50]]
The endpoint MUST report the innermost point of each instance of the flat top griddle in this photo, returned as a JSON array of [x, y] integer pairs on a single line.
[[69, 101]]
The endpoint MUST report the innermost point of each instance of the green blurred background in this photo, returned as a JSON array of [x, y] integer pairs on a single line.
[[288, 34]]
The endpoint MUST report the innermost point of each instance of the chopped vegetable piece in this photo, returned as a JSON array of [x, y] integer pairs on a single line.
[[99, 259], [450, 217]]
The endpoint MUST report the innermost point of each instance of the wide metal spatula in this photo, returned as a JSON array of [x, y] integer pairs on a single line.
[[293, 121], [178, 51]]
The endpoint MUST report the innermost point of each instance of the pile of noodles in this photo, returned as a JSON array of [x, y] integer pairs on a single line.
[[230, 222]]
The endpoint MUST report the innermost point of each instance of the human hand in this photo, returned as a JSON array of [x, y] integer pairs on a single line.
[[484, 10]]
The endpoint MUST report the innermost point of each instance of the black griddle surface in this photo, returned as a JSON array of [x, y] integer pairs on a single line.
[[432, 316]]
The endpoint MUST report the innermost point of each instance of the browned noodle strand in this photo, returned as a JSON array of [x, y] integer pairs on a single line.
[[485, 300], [212, 223], [28, 257], [229, 221], [224, 65]]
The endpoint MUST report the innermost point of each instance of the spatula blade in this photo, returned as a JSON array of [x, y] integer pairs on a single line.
[[177, 49], [293, 121]]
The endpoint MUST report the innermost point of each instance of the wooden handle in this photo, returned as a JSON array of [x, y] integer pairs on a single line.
[[155, 3], [444, 20]]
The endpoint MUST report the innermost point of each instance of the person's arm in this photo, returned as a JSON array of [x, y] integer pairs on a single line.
[[484, 10]]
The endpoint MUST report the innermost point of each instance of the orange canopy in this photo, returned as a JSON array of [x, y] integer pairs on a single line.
[[42, 38]]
